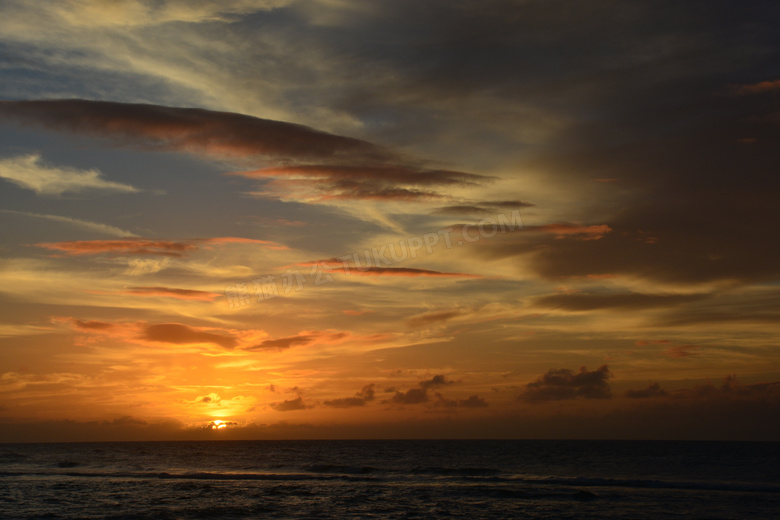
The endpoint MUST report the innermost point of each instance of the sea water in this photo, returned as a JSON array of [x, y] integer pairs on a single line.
[[391, 479]]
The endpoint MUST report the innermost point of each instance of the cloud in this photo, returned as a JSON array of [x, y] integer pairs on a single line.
[[473, 401], [572, 230], [182, 334], [210, 398], [483, 208], [401, 271], [411, 396], [562, 383], [214, 134], [138, 246], [365, 395], [304, 338], [389, 175], [362, 170], [30, 172], [419, 394], [429, 318], [169, 292], [436, 381], [145, 333], [653, 390], [628, 301], [282, 343], [289, 405], [77, 223], [759, 88], [76, 324], [367, 182], [144, 246], [730, 390]]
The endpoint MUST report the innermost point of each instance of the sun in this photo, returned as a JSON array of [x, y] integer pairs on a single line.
[[217, 425]]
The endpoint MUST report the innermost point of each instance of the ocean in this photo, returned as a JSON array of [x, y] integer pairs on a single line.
[[468, 479]]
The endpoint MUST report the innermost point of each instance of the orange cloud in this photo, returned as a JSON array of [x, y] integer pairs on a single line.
[[130, 246], [142, 246], [576, 231], [168, 292], [758, 88]]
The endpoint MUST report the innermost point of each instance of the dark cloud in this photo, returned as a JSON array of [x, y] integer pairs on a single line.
[[653, 390], [563, 383], [209, 398], [182, 334], [289, 405], [304, 338], [365, 395], [730, 390], [436, 381], [644, 93], [187, 129], [419, 394], [483, 208], [282, 343], [473, 401], [411, 396]]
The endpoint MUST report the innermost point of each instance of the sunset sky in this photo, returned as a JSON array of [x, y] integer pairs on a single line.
[[356, 218]]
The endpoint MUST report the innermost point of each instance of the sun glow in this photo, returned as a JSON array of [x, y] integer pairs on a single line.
[[217, 425]]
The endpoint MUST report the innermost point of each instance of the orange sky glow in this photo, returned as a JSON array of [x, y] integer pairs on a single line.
[[305, 219]]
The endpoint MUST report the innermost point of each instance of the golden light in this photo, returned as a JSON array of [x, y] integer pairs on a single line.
[[217, 425]]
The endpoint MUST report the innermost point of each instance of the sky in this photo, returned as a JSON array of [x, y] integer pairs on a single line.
[[288, 219]]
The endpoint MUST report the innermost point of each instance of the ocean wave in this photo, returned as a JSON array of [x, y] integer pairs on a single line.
[[652, 484], [465, 476]]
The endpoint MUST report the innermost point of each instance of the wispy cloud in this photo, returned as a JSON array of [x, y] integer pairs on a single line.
[[77, 223], [30, 172], [170, 292]]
